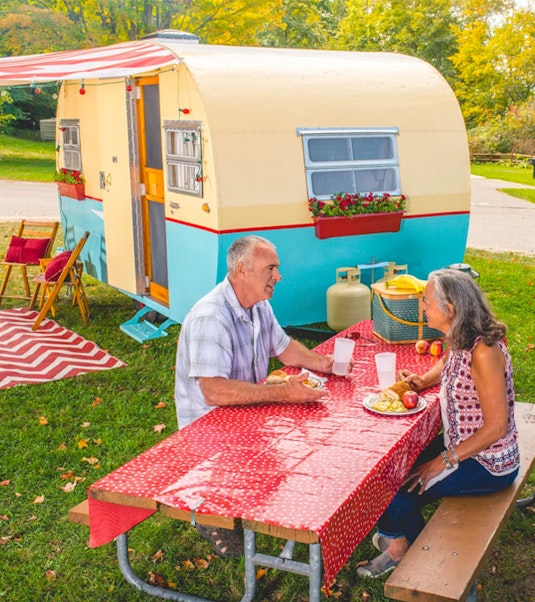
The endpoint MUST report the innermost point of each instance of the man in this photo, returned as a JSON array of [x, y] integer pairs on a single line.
[[224, 348], [229, 336]]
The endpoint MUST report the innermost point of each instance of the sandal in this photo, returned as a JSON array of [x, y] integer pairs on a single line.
[[380, 542], [379, 566], [227, 543]]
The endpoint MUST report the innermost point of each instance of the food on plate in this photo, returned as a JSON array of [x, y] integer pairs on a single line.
[[395, 391], [313, 383], [277, 377], [390, 400], [422, 346], [410, 399]]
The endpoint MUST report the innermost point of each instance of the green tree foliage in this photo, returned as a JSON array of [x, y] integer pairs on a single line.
[[422, 28], [495, 60]]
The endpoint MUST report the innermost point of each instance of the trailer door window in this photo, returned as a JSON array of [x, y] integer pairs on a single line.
[[360, 160], [70, 138], [184, 157]]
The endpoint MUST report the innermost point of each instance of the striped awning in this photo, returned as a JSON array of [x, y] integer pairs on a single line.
[[118, 60]]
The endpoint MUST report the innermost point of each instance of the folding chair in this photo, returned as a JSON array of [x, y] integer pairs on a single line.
[[33, 241], [51, 280]]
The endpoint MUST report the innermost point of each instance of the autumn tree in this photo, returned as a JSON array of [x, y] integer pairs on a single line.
[[422, 28]]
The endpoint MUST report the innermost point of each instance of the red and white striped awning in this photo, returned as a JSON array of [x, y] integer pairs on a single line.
[[118, 60]]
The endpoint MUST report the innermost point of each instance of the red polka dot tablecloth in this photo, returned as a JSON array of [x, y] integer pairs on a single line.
[[329, 467]]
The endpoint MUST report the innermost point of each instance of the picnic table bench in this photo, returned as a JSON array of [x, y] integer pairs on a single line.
[[446, 559]]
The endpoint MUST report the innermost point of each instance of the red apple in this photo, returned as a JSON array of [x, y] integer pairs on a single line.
[[410, 399], [436, 348], [422, 346]]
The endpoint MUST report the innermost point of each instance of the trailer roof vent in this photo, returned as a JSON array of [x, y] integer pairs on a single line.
[[173, 34]]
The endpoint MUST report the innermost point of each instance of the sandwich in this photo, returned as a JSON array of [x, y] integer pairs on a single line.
[[277, 377], [395, 392]]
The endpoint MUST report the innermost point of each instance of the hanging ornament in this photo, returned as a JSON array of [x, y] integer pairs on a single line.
[[82, 89], [129, 86], [37, 90], [185, 111]]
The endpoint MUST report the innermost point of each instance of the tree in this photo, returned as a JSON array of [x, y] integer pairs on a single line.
[[422, 28]]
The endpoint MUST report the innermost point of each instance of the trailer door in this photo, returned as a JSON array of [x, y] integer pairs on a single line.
[[152, 197]]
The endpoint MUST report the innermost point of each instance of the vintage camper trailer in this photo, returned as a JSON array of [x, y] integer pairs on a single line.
[[185, 147]]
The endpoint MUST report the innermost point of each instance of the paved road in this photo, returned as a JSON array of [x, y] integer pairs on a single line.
[[498, 222]]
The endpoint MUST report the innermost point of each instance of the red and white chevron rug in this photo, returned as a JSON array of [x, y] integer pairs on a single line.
[[51, 353]]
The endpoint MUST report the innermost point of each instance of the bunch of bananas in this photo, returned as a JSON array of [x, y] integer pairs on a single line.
[[407, 282]]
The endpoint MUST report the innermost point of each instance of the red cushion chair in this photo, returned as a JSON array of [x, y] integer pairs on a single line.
[[56, 265]]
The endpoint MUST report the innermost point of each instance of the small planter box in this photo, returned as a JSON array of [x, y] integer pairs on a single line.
[[74, 191], [367, 223]]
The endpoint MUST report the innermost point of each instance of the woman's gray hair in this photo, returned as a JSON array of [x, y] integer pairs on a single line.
[[472, 316], [242, 250]]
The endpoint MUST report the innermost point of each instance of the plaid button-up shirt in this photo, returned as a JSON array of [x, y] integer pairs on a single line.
[[220, 338]]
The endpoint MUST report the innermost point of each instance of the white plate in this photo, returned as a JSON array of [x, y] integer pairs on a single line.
[[369, 400], [314, 383]]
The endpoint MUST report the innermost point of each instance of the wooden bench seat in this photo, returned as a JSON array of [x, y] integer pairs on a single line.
[[445, 561]]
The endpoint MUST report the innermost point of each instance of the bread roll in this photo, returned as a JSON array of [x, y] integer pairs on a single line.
[[277, 377], [395, 391]]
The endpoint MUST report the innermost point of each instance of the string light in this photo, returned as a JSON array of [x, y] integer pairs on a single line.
[[129, 86], [185, 111], [82, 88]]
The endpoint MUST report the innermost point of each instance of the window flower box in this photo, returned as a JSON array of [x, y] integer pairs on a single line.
[[70, 183], [74, 191], [369, 223], [350, 214]]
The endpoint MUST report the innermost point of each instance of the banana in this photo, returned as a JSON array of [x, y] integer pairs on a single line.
[[406, 281]]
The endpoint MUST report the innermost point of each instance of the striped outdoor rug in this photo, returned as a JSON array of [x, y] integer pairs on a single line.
[[51, 353]]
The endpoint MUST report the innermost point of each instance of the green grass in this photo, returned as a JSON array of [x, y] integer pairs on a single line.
[[44, 557], [522, 174], [32, 160], [526, 194]]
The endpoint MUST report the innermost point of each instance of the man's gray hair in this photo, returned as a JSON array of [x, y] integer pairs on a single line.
[[242, 250]]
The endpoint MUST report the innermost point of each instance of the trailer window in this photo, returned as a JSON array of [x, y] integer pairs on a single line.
[[184, 157], [359, 160], [70, 138]]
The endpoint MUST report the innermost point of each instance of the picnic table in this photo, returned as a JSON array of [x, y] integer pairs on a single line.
[[320, 473]]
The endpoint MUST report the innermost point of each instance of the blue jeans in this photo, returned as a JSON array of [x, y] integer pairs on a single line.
[[403, 518]]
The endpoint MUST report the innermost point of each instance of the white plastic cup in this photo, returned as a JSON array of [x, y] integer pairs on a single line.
[[343, 351], [386, 369]]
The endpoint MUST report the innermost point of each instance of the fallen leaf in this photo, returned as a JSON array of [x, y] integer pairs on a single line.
[[4, 539], [530, 346], [39, 499], [156, 579], [157, 556], [50, 575], [32, 518], [91, 460], [84, 425], [160, 405], [188, 565], [17, 494], [62, 447], [96, 402], [67, 475], [43, 421], [69, 487], [158, 428], [261, 572], [97, 441], [82, 443], [4, 517], [4, 483], [201, 563]]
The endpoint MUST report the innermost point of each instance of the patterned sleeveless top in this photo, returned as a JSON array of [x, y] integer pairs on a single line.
[[462, 416]]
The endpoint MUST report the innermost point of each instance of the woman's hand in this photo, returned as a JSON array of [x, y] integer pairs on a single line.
[[415, 382], [421, 475]]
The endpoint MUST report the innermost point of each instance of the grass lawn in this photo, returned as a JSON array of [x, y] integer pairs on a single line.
[[32, 160], [79, 429]]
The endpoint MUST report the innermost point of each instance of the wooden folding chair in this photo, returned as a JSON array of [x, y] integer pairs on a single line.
[[71, 275], [33, 241]]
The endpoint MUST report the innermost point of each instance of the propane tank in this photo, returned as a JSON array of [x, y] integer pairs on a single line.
[[392, 270], [348, 301]]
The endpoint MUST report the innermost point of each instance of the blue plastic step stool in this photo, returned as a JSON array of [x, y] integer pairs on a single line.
[[141, 329]]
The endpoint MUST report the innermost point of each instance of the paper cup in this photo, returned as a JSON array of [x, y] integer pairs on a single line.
[[343, 351], [386, 369]]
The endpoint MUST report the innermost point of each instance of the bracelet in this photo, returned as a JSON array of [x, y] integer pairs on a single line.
[[446, 460], [454, 455]]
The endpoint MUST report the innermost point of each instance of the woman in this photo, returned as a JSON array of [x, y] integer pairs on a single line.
[[477, 451]]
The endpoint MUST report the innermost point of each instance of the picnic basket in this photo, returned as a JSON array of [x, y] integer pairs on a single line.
[[398, 315]]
